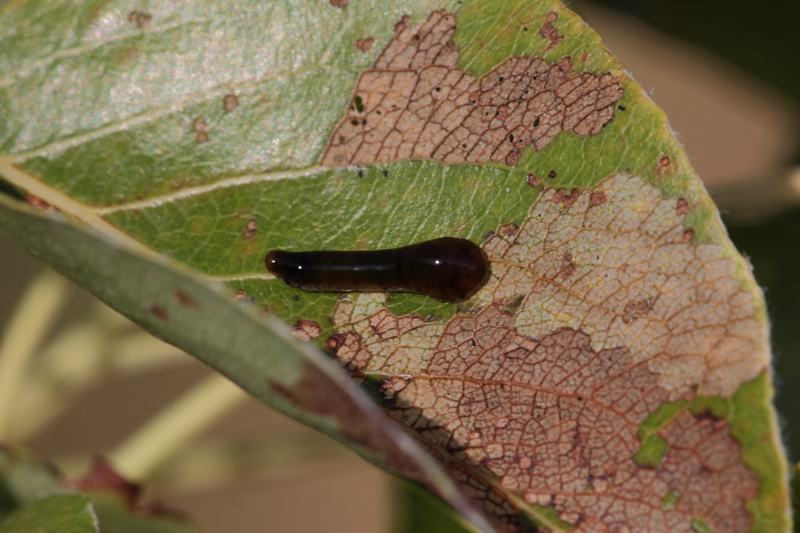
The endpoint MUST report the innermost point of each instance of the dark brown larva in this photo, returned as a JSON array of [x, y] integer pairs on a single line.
[[448, 269]]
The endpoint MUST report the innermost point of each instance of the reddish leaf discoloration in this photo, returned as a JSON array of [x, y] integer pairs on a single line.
[[599, 311], [305, 330], [158, 312], [549, 32], [416, 104], [185, 300], [554, 413]]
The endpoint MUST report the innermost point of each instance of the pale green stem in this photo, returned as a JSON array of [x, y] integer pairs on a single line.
[[170, 430], [31, 320]]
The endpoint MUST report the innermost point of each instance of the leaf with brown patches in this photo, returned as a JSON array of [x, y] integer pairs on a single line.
[[416, 104], [611, 375]]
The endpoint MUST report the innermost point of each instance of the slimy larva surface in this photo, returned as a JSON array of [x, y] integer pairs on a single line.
[[448, 269]]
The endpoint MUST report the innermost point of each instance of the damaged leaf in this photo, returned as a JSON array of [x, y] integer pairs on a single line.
[[612, 375]]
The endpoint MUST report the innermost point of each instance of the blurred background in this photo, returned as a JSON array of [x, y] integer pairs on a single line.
[[728, 80]]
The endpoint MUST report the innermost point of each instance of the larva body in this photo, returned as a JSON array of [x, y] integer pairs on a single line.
[[448, 269]]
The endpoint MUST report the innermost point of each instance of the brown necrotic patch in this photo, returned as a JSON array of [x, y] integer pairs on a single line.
[[599, 310], [414, 103], [250, 228], [230, 102], [637, 281], [200, 127], [549, 32], [305, 330], [552, 420], [533, 180], [365, 45], [140, 18]]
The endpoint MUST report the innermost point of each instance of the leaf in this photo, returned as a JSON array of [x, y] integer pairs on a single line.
[[24, 480], [612, 373], [256, 352], [34, 497], [70, 513]]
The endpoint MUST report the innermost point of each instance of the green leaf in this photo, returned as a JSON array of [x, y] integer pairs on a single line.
[[24, 480], [211, 133], [67, 513], [34, 497]]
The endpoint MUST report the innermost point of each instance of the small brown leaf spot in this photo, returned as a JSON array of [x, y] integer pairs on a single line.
[[200, 128], [401, 24], [230, 102], [535, 497], [240, 295], [339, 3], [597, 198], [305, 330], [512, 157], [158, 312], [552, 174], [295, 298], [140, 18], [335, 341], [548, 31], [533, 180], [365, 45], [664, 166], [265, 311], [569, 266], [250, 229], [508, 230], [706, 415], [687, 236], [682, 207], [567, 199], [185, 300], [638, 309]]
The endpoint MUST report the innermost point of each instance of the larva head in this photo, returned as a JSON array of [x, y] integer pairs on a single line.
[[283, 265], [448, 269]]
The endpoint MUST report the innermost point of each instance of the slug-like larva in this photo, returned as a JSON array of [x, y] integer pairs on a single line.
[[448, 269]]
